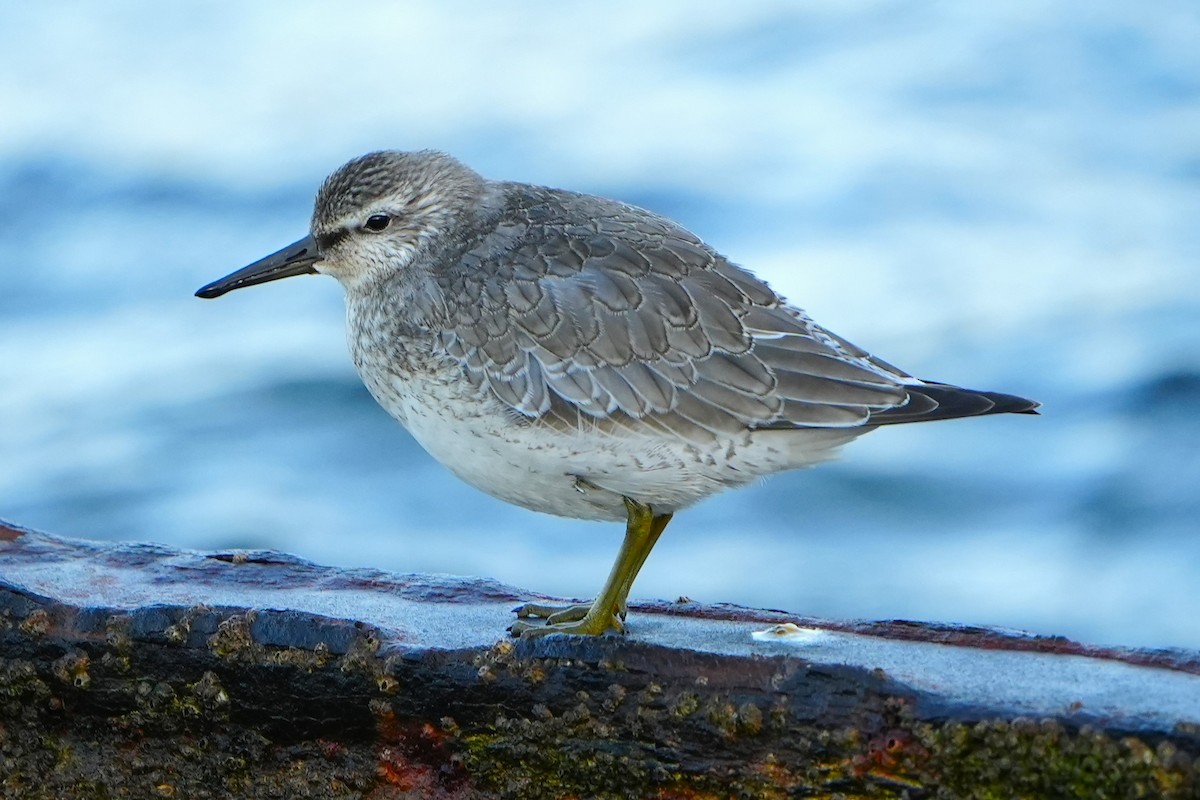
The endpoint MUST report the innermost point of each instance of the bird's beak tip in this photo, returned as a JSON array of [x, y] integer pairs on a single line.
[[209, 291]]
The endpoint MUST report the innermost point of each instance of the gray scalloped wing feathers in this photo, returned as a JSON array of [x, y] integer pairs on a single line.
[[579, 310]]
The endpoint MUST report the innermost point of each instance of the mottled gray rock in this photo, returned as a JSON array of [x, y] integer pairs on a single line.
[[138, 670]]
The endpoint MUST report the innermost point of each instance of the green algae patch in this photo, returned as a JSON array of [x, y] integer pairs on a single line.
[[998, 759]]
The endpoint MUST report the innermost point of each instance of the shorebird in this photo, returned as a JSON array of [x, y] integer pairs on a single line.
[[583, 357]]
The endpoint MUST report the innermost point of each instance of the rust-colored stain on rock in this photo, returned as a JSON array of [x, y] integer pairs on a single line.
[[9, 533]]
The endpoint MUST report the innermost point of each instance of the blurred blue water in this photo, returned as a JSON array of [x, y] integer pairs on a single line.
[[998, 197]]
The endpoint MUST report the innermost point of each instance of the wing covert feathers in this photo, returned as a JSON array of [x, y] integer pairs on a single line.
[[580, 311]]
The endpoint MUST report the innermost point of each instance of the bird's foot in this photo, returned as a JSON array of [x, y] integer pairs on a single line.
[[585, 619], [580, 624], [554, 615]]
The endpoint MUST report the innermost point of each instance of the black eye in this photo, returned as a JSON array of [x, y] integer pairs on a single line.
[[377, 222]]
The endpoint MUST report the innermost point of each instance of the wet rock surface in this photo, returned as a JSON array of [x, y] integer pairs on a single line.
[[142, 671]]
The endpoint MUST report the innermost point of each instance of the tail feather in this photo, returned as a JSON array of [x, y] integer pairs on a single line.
[[932, 401]]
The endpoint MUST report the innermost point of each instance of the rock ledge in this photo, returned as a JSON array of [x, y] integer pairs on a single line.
[[143, 671]]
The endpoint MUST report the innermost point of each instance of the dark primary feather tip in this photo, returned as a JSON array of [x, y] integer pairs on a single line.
[[934, 401], [1013, 404]]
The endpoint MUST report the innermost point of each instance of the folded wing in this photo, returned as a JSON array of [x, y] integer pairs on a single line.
[[596, 313]]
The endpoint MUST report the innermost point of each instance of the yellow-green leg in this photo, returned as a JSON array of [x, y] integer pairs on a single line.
[[642, 529]]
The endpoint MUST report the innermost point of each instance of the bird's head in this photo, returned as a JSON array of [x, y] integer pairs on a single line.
[[370, 219]]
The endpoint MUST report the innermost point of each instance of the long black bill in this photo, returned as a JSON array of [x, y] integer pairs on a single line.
[[295, 259]]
